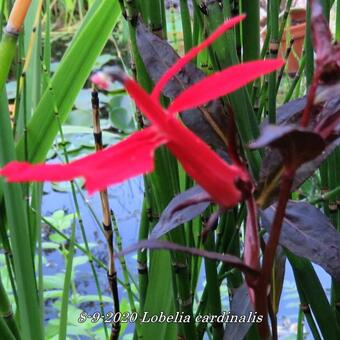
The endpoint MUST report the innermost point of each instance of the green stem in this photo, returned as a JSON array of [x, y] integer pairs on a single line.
[[213, 288], [18, 227], [142, 258], [329, 195], [186, 25], [165, 184], [125, 271], [309, 283], [309, 48], [7, 252], [296, 80], [326, 8], [67, 285], [6, 311], [7, 52], [5, 330], [273, 49], [285, 18], [306, 311], [155, 15], [223, 54], [251, 30], [337, 21], [2, 16]]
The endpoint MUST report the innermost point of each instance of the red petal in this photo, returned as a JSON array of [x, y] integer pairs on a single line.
[[101, 80], [198, 160], [192, 54], [150, 107], [203, 165], [24, 172], [222, 83], [131, 157]]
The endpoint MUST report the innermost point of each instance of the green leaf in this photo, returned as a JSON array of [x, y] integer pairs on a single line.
[[309, 285], [57, 238], [94, 298], [53, 328], [104, 59], [79, 260], [53, 294], [60, 220], [80, 116], [50, 246], [121, 113], [16, 216], [55, 281], [164, 301]]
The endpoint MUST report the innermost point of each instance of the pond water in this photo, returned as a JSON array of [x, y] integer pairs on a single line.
[[126, 202]]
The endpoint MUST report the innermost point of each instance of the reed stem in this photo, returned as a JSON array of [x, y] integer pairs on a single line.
[[107, 225], [10, 37]]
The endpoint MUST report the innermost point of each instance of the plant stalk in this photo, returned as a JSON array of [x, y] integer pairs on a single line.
[[107, 225]]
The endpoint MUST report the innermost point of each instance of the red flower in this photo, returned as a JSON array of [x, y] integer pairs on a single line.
[[131, 157], [134, 155]]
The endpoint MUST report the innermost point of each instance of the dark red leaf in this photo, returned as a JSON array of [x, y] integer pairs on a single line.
[[329, 127], [182, 208], [240, 306], [307, 232], [279, 275], [290, 113], [268, 188], [322, 36], [165, 245], [296, 145], [327, 56]]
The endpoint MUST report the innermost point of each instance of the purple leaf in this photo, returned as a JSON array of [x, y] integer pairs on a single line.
[[165, 245], [327, 55], [296, 145], [240, 305], [308, 233], [182, 208]]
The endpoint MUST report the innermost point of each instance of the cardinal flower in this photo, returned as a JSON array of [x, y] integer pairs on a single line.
[[134, 155]]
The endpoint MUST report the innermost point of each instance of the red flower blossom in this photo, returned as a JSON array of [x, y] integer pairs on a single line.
[[134, 155], [131, 157]]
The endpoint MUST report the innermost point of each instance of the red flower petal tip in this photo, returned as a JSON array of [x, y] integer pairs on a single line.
[[101, 80]]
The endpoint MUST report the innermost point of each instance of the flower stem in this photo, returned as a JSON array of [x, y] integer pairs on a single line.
[[269, 253]]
